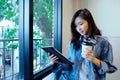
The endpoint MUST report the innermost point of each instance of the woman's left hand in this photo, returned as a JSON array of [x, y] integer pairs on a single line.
[[89, 55]]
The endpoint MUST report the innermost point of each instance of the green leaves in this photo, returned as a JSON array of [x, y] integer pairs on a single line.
[[43, 16], [10, 33], [8, 9]]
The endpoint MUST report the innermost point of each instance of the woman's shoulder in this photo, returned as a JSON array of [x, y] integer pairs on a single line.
[[102, 39]]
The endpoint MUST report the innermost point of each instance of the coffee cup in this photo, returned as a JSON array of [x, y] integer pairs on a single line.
[[86, 46]]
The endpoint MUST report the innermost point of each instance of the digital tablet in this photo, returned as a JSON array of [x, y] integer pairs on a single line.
[[54, 51]]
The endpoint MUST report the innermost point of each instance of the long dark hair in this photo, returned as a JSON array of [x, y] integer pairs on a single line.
[[93, 30]]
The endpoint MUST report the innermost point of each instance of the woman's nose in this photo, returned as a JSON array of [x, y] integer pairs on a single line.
[[79, 27]]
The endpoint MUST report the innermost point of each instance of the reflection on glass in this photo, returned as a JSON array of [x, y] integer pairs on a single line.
[[9, 47], [42, 32]]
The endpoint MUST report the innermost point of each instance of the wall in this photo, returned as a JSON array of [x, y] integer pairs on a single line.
[[115, 42], [66, 17], [106, 14]]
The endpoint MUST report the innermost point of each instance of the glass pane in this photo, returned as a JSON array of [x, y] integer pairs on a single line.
[[9, 47], [42, 32]]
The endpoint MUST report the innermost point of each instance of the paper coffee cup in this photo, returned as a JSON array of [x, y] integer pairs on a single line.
[[84, 47]]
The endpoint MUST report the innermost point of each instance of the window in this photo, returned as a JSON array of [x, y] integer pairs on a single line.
[[49, 21], [43, 32], [25, 27], [9, 42], [39, 27]]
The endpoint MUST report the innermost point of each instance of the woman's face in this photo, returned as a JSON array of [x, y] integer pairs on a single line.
[[81, 26]]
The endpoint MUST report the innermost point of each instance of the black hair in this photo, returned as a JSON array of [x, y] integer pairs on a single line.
[[93, 30]]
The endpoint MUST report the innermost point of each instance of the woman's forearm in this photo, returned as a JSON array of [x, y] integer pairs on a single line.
[[96, 61]]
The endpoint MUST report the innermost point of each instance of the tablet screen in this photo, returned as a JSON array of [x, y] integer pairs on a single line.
[[54, 51]]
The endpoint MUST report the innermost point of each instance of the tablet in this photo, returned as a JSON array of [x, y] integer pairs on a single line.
[[54, 51]]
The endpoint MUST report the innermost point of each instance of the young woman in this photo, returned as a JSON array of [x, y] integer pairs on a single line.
[[89, 64]]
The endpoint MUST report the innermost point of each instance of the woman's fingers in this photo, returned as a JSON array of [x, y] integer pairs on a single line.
[[53, 57]]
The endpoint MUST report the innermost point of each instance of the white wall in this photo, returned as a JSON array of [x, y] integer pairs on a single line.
[[107, 15], [115, 42]]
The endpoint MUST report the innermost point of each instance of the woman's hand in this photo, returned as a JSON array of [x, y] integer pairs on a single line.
[[53, 58], [89, 55]]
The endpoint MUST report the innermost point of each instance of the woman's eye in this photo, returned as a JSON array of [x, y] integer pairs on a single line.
[[80, 23]]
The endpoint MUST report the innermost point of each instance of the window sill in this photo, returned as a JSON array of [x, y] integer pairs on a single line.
[[43, 73]]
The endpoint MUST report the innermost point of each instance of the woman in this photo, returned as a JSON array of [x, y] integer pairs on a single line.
[[89, 64]]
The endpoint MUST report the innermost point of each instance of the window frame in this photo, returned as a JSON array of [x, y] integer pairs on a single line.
[[26, 39]]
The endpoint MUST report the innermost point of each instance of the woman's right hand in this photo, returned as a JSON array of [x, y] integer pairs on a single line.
[[53, 58]]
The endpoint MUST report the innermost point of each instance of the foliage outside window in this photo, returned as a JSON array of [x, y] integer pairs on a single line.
[[9, 32], [9, 19], [42, 27], [42, 31]]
